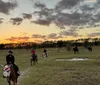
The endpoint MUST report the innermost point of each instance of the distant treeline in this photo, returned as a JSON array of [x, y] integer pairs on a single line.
[[52, 44]]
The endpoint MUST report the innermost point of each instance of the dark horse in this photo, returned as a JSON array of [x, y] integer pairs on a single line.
[[34, 59], [75, 49], [10, 74], [89, 48]]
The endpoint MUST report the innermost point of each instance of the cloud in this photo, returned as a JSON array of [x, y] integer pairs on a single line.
[[18, 39], [27, 16], [23, 33], [16, 21], [67, 4], [59, 18], [98, 2], [82, 13], [69, 13], [46, 37], [6, 7], [68, 19], [38, 36], [62, 34], [42, 22], [87, 8], [69, 33], [94, 34], [39, 5], [44, 14], [54, 36], [1, 20]]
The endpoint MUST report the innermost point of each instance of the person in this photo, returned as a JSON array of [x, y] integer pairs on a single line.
[[33, 51], [10, 59], [45, 52], [34, 55]]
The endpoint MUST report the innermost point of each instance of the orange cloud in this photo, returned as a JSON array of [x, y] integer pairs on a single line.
[[18, 39]]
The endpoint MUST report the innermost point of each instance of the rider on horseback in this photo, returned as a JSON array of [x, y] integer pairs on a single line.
[[10, 59], [34, 55], [45, 52]]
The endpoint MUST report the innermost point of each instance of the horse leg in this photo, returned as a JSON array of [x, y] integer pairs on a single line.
[[34, 62], [46, 55], [31, 62], [9, 82], [15, 82], [74, 51]]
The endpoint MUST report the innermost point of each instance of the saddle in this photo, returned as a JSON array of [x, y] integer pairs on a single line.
[[33, 56]]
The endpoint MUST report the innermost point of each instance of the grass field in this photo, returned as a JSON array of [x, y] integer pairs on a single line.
[[52, 72]]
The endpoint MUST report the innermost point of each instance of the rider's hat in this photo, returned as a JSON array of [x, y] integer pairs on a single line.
[[9, 51]]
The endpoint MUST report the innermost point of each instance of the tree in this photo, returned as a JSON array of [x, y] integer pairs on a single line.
[[2, 46]]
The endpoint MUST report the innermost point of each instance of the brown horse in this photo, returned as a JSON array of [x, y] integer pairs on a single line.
[[75, 49], [10, 74], [33, 59]]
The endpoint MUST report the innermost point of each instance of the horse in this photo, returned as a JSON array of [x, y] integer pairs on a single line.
[[33, 59], [75, 49], [89, 49], [10, 74], [44, 55]]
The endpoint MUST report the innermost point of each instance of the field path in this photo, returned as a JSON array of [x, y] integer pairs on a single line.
[[23, 74]]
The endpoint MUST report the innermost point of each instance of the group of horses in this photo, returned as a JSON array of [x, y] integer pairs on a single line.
[[76, 49], [9, 71]]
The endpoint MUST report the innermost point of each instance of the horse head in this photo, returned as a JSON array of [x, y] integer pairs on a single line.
[[9, 73], [6, 71]]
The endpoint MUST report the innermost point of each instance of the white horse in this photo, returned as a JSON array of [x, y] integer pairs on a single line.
[[44, 56]]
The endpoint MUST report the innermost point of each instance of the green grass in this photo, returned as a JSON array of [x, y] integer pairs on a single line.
[[53, 72]]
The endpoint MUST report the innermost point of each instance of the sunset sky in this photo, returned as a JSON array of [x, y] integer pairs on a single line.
[[42, 20]]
